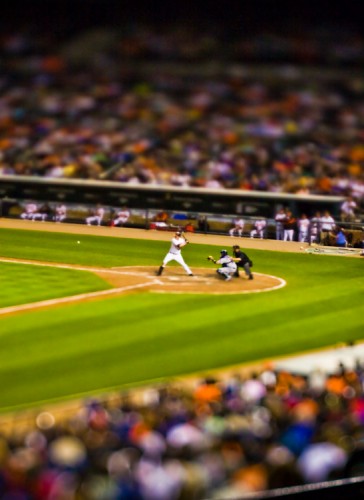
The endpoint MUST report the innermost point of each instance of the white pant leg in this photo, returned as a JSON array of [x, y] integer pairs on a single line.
[[223, 271], [94, 218], [279, 233], [178, 258], [226, 271], [119, 220], [168, 258], [90, 220], [183, 264], [288, 234]]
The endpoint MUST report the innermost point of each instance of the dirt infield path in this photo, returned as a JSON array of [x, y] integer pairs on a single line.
[[117, 232]]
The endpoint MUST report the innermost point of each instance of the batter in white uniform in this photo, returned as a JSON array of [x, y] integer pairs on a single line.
[[177, 243]]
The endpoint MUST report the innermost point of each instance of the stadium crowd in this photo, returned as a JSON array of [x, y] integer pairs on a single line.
[[142, 107], [94, 110], [222, 437]]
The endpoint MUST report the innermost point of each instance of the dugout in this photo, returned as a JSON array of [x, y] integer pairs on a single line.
[[175, 199]]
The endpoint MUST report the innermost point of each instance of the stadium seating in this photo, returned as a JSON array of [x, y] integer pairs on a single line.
[[236, 127], [227, 436], [189, 110]]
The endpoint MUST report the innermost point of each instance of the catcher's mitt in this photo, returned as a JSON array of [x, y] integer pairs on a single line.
[[210, 257]]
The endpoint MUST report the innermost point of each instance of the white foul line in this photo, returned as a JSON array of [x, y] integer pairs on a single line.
[[72, 298], [64, 266]]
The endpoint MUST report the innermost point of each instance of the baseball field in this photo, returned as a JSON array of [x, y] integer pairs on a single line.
[[82, 311]]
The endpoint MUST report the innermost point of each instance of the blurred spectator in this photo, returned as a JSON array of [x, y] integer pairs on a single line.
[[238, 228], [60, 213], [189, 228], [279, 218], [289, 225], [97, 215], [160, 220], [340, 237], [327, 226], [348, 209], [303, 224], [121, 217], [259, 229], [161, 216], [320, 461], [203, 224], [315, 228], [43, 213], [30, 209]]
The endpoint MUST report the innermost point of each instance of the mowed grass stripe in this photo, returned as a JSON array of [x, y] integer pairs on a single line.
[[22, 283], [141, 362], [149, 350], [92, 251], [199, 311]]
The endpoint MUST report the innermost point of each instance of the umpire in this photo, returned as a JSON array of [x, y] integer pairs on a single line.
[[242, 260]]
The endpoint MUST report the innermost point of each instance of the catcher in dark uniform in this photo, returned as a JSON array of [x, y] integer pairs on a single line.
[[242, 261]]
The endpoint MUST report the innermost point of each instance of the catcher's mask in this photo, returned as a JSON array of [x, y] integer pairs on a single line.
[[223, 253]]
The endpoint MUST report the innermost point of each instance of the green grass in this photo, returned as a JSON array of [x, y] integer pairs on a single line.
[[21, 284], [92, 250], [73, 350]]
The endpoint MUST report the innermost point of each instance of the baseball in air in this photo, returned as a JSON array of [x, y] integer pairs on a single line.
[[78, 242]]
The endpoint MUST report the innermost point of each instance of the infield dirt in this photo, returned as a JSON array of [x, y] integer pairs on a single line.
[[117, 232]]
